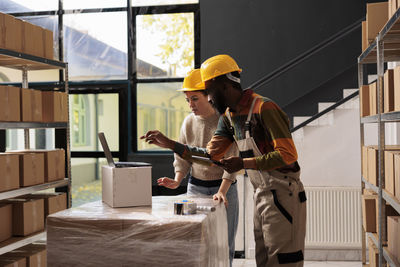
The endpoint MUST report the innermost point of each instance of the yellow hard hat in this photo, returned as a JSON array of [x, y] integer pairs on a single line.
[[193, 82], [218, 65]]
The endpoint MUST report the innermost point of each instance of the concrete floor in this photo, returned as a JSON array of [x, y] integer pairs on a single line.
[[252, 263]]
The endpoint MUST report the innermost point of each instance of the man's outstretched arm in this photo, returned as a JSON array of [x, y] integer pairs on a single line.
[[186, 152]]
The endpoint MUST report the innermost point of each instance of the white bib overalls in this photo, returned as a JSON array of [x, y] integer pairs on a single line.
[[279, 209]]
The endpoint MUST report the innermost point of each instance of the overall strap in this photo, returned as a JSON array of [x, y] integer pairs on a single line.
[[228, 115], [247, 123]]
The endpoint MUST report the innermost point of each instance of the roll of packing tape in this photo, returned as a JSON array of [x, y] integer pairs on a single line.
[[185, 207], [205, 208]]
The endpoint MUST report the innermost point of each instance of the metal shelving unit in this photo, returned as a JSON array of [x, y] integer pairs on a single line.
[[386, 47], [31, 189], [17, 242], [25, 63], [32, 125]]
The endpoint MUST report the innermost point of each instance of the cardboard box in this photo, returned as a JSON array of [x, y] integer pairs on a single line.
[[373, 253], [5, 222], [389, 211], [364, 39], [364, 162], [126, 187], [389, 171], [373, 170], [38, 41], [364, 101], [392, 7], [26, 105], [393, 229], [388, 91], [35, 255], [28, 215], [63, 106], [54, 163], [31, 105], [36, 101], [13, 262], [54, 105], [397, 176], [10, 103], [31, 168], [396, 82], [32, 43], [48, 44], [9, 168], [373, 106], [369, 212], [377, 16], [98, 235], [10, 32], [53, 202]]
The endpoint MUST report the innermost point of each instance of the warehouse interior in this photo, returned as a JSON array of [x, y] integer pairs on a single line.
[[70, 70]]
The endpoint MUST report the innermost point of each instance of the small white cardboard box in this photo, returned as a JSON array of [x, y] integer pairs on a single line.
[[126, 187]]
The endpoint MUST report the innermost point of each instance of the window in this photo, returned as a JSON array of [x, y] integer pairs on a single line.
[[165, 53], [86, 182], [162, 2], [165, 45], [160, 107], [79, 114], [95, 45], [87, 118], [8, 6], [79, 4]]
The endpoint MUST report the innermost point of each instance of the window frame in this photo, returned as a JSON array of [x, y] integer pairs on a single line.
[[126, 89], [132, 75]]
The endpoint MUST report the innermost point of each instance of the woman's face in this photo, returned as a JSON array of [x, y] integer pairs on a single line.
[[198, 103]]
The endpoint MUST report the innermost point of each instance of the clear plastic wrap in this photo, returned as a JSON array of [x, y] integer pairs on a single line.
[[95, 234]]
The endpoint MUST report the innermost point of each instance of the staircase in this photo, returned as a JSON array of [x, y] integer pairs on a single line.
[[329, 147], [329, 155]]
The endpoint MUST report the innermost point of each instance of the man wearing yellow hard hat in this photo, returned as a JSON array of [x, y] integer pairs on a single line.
[[197, 129], [267, 152]]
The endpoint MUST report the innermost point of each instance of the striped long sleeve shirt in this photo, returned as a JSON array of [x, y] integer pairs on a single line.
[[269, 126]]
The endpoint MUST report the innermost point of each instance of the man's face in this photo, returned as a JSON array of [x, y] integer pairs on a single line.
[[215, 94]]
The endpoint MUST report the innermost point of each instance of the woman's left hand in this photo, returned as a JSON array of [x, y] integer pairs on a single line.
[[219, 196]]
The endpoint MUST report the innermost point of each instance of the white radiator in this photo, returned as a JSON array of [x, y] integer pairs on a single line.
[[333, 217]]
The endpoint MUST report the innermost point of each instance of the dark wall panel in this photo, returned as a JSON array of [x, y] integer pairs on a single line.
[[263, 35]]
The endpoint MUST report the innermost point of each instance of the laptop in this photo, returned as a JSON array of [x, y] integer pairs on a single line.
[[110, 160]]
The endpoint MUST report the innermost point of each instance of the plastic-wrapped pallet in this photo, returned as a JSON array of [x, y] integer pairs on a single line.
[[95, 234]]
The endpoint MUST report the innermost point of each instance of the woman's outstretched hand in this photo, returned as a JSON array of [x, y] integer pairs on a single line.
[[168, 182]]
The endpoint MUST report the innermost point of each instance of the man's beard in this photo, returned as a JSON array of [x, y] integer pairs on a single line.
[[219, 103]]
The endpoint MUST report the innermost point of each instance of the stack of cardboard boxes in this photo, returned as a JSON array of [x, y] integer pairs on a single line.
[[393, 230], [27, 214], [376, 17], [391, 92], [370, 211], [21, 36], [393, 5], [31, 167], [32, 255], [371, 222], [95, 234], [27, 105]]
